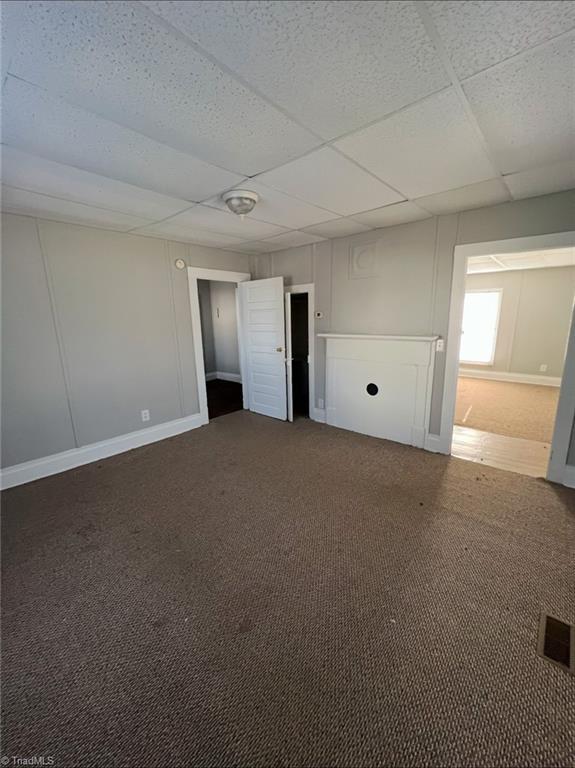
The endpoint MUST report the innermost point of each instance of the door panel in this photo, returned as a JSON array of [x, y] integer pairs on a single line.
[[264, 334]]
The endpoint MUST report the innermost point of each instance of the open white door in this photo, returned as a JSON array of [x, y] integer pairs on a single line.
[[264, 345]]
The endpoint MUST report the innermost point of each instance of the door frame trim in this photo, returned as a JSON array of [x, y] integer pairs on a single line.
[[558, 470], [308, 288], [222, 276]]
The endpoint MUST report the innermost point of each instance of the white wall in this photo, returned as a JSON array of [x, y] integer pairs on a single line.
[[408, 291], [96, 327], [535, 317], [225, 327]]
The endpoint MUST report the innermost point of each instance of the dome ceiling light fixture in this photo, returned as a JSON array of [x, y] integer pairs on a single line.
[[240, 201]]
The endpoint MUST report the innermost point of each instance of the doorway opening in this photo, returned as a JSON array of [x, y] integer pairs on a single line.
[[300, 351], [515, 326], [218, 313], [299, 354]]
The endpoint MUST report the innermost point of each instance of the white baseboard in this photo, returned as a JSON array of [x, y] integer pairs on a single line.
[[223, 376], [516, 378], [317, 414], [60, 462]]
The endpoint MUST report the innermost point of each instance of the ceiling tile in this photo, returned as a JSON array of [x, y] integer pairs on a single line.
[[277, 208], [174, 230], [223, 222], [120, 61], [478, 35], [479, 195], [290, 240], [45, 207], [333, 65], [426, 148], [526, 106], [542, 181], [327, 179], [36, 174], [338, 228], [50, 128], [390, 215], [256, 246]]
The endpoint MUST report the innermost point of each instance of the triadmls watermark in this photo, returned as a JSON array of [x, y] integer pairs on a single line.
[[37, 760]]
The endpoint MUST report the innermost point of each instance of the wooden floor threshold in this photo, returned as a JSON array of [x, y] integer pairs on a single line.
[[514, 454]]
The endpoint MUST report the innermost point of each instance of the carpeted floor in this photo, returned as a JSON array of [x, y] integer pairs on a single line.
[[505, 408], [257, 593]]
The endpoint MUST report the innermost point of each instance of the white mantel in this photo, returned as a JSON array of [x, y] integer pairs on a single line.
[[400, 367]]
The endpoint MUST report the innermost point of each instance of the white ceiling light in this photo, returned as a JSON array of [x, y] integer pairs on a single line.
[[240, 201]]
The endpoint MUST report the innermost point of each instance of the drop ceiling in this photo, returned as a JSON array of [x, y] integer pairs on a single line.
[[343, 116], [503, 262]]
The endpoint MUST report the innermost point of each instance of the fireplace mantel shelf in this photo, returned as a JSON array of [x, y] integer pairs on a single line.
[[375, 336]]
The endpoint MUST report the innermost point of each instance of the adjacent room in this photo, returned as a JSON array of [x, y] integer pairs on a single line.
[[516, 320], [288, 383]]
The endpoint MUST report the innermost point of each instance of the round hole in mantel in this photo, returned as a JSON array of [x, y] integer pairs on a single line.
[[372, 389]]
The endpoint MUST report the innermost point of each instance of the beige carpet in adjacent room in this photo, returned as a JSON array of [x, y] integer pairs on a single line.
[[258, 593], [505, 408]]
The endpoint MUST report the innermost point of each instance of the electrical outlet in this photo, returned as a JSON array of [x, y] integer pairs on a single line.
[[440, 345], [543, 368], [145, 415]]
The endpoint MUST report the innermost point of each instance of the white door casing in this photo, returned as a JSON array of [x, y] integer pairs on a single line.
[[289, 369], [262, 306]]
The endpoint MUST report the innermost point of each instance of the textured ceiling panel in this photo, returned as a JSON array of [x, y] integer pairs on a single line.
[[277, 208], [115, 59], [50, 128], [36, 174], [477, 35], [202, 217], [175, 230], [327, 179], [426, 148], [526, 106], [290, 240], [338, 228], [390, 215], [485, 193], [45, 207], [542, 181], [333, 65]]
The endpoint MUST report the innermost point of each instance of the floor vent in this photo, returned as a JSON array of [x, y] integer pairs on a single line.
[[557, 642]]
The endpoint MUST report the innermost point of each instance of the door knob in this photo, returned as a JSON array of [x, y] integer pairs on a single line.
[[279, 349]]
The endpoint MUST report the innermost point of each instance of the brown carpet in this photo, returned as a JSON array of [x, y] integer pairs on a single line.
[[505, 408], [257, 593]]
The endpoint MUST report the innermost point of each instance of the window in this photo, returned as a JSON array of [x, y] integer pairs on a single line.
[[479, 331]]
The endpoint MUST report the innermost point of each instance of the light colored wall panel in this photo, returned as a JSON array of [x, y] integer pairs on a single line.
[[543, 320], [114, 305], [205, 298], [536, 308], [225, 327], [36, 419], [294, 264]]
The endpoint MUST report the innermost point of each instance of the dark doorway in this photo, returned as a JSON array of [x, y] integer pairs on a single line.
[[300, 352], [223, 397]]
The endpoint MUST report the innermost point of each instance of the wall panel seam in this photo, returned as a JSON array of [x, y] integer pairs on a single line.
[[177, 348], [59, 335]]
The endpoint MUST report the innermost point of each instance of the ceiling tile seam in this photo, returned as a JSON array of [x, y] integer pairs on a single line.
[[270, 102], [221, 66], [519, 55], [434, 36], [56, 96], [101, 175], [265, 221], [89, 205], [135, 230]]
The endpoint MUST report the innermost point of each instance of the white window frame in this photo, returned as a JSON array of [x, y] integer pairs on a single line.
[[491, 360]]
